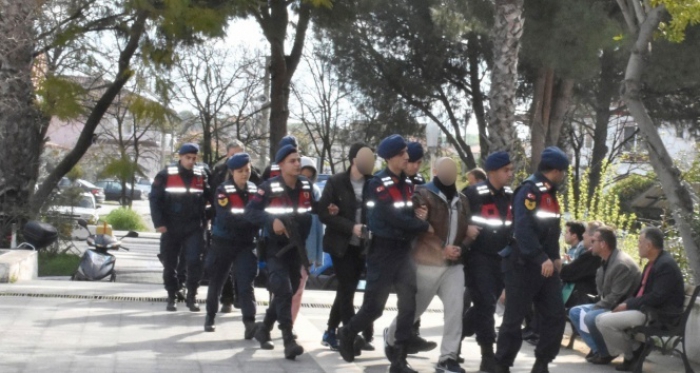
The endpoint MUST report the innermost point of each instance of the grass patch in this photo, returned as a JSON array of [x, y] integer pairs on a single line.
[[125, 219], [51, 264]]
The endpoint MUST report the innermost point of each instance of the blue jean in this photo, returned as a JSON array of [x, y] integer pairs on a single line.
[[594, 339]]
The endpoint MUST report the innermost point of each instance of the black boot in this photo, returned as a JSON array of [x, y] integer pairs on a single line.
[[172, 306], [262, 335], [191, 302], [501, 368], [209, 325], [346, 344], [249, 330], [291, 348], [400, 365], [418, 344], [488, 361], [541, 366]]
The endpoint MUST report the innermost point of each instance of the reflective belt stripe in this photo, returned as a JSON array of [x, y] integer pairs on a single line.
[[237, 211], [547, 215], [302, 210], [176, 190], [370, 204], [490, 222], [279, 210]]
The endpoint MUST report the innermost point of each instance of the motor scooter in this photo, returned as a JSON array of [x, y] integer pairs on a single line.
[[97, 263]]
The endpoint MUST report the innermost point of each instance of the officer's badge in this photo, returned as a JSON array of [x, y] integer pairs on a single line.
[[530, 204], [223, 200]]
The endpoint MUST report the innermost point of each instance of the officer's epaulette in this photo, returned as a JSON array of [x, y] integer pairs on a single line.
[[483, 189], [230, 189], [305, 184], [252, 188], [387, 181], [409, 181], [172, 170], [276, 188], [542, 186], [508, 190], [198, 170]]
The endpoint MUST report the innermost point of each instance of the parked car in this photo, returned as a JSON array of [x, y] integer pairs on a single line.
[[113, 191], [85, 185], [144, 185], [82, 207]]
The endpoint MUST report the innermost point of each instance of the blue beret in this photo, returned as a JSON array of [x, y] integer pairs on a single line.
[[188, 148], [415, 151], [496, 161], [391, 146], [287, 140], [237, 161], [284, 152], [554, 158]]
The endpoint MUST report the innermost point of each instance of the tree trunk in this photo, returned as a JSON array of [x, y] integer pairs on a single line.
[[506, 33], [538, 126], [282, 66], [677, 193], [607, 87], [101, 106], [21, 123], [477, 95]]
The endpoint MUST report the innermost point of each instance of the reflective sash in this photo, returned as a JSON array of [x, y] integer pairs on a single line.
[[175, 184]]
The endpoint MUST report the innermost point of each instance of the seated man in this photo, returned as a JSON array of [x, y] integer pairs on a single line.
[[616, 279], [661, 289], [579, 274]]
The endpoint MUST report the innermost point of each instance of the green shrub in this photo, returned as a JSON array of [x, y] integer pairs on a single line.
[[125, 219], [57, 264]]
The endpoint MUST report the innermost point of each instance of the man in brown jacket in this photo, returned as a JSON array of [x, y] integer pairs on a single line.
[[439, 270]]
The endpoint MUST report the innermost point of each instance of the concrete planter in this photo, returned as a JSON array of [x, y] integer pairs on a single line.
[[16, 265]]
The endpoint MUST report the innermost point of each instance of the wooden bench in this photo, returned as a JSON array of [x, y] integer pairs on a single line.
[[665, 338]]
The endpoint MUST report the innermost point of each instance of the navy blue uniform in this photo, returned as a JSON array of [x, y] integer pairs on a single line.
[[536, 240], [178, 200], [393, 224], [233, 242], [491, 210], [275, 199]]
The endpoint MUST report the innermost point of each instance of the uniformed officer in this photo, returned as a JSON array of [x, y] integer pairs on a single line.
[[490, 226], [273, 170], [531, 265], [415, 161], [285, 197], [233, 241], [394, 224], [178, 199]]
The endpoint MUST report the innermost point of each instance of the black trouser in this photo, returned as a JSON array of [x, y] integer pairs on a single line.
[[283, 283], [485, 283], [348, 270], [228, 293], [525, 285], [388, 264], [172, 243], [224, 255]]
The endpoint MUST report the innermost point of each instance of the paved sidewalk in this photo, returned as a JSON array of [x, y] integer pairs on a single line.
[[62, 326]]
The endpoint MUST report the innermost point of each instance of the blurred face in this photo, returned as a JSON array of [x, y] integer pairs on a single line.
[[558, 176], [412, 168], [188, 161], [471, 179], [291, 166], [364, 161], [587, 239], [309, 173], [644, 246], [399, 161], [241, 175], [503, 176], [447, 171]]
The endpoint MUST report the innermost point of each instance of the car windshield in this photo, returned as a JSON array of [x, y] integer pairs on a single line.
[[85, 202]]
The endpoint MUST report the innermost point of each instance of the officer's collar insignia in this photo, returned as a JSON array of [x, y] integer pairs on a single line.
[[508, 190], [252, 188], [380, 188], [261, 192]]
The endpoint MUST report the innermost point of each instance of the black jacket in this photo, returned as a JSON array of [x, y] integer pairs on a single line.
[[179, 212], [665, 289], [339, 191], [581, 272]]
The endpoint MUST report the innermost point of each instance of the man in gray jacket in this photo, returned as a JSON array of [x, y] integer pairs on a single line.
[[616, 279]]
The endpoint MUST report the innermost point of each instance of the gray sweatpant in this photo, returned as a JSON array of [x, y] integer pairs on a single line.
[[448, 284]]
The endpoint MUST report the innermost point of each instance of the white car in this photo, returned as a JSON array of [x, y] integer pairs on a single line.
[[82, 208], [144, 185]]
